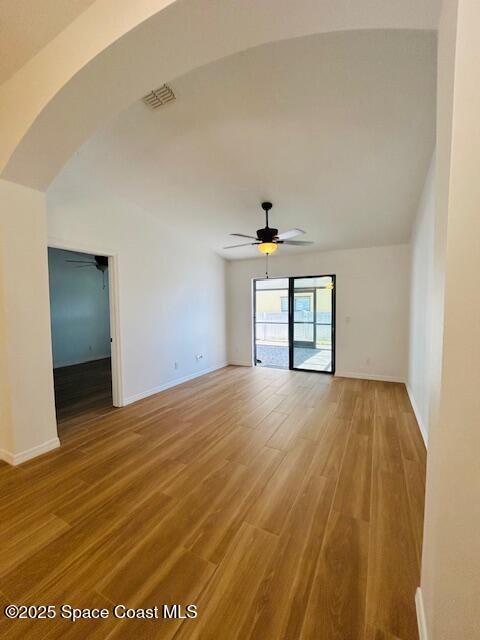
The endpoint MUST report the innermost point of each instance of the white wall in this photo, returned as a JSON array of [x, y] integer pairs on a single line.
[[27, 416], [451, 548], [421, 304], [171, 291], [372, 306], [79, 309]]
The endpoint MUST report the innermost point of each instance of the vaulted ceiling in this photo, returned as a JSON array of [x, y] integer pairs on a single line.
[[336, 129], [26, 27]]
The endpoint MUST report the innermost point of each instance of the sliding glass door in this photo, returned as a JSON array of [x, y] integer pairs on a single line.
[[313, 323], [294, 323]]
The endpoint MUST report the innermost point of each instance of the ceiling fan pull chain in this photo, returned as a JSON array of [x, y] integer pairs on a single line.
[[266, 258]]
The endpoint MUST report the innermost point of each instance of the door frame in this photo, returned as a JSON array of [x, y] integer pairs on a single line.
[[291, 318], [114, 308]]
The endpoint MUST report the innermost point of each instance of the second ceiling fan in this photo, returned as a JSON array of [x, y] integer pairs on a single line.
[[268, 238]]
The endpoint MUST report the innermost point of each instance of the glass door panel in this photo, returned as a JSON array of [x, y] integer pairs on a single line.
[[304, 318], [271, 323], [313, 325]]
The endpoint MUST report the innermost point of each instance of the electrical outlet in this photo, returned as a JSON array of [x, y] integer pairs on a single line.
[[199, 356], [175, 365]]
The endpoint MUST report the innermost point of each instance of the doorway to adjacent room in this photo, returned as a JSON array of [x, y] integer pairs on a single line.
[[81, 332]]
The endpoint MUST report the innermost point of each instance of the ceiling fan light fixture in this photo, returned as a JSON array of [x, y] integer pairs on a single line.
[[267, 247]]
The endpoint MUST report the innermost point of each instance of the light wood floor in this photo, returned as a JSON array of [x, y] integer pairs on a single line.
[[283, 504]]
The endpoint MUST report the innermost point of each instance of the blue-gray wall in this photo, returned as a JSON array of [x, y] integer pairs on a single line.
[[79, 310]]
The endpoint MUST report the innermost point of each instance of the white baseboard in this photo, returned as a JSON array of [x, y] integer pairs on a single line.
[[421, 424], [421, 620], [369, 376], [18, 458], [240, 363], [171, 383]]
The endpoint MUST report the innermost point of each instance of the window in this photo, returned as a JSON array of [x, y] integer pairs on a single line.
[[302, 303]]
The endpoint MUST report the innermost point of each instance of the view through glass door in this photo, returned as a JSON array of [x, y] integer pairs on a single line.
[[271, 323], [313, 323], [294, 323]]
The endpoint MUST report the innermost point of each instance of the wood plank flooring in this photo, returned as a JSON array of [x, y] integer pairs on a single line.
[[285, 505]]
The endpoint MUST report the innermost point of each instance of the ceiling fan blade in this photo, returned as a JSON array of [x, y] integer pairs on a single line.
[[291, 233], [247, 244], [297, 242], [242, 235]]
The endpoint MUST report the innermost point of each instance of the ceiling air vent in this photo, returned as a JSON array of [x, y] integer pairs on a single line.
[[158, 97]]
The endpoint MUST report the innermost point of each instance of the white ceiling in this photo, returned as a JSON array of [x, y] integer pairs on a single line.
[[26, 27], [336, 129]]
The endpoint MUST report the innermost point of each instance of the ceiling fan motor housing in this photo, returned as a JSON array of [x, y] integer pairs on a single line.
[[267, 234]]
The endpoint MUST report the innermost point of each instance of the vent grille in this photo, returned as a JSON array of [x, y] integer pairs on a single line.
[[158, 97]]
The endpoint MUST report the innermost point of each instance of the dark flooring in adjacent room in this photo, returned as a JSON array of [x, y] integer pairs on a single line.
[[282, 504], [82, 388]]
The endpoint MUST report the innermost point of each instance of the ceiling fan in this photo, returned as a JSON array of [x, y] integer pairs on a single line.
[[99, 262], [268, 238]]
